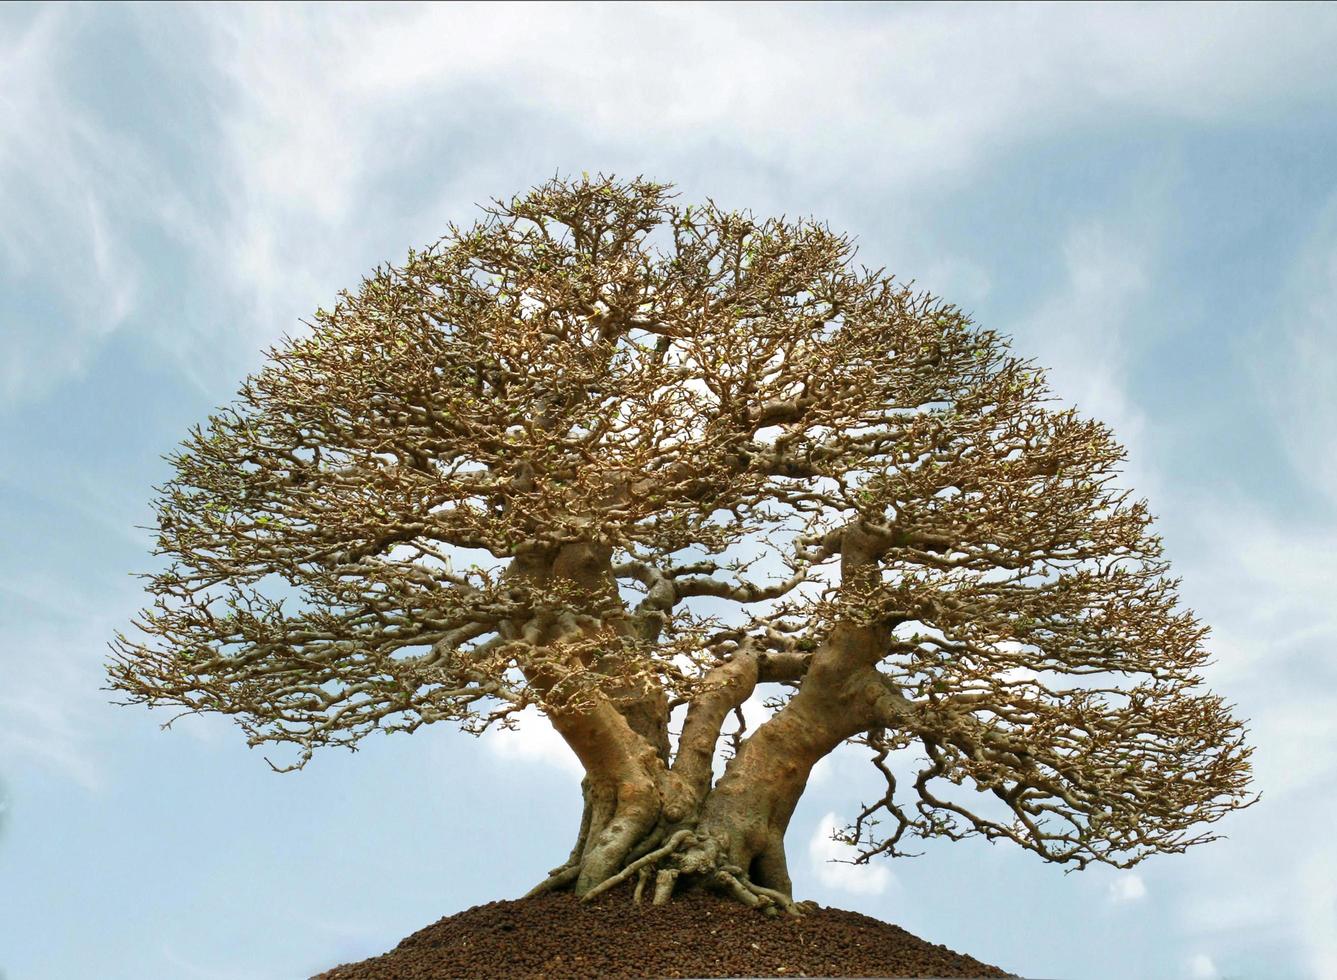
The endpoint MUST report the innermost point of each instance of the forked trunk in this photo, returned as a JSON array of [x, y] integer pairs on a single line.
[[733, 842], [659, 822], [651, 826]]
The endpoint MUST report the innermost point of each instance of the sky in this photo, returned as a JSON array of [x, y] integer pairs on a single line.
[[1141, 196]]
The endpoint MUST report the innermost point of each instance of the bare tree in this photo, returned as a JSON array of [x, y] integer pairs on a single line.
[[609, 456]]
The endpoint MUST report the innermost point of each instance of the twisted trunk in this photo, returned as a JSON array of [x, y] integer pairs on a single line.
[[664, 827], [647, 831], [652, 819]]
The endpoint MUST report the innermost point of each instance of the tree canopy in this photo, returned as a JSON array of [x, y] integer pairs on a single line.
[[611, 456]]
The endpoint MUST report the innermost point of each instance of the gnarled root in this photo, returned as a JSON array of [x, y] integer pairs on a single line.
[[636, 865], [642, 877], [685, 854], [732, 880], [558, 878]]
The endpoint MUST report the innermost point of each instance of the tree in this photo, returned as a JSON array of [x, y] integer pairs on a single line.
[[613, 457]]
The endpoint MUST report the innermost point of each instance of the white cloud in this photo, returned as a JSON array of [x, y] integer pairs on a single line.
[[867, 879], [1264, 581], [755, 714], [70, 187], [1316, 911], [319, 110], [1258, 889], [54, 715], [1266, 586], [6, 808], [822, 771], [1294, 359], [1128, 887], [1201, 967], [48, 696], [713, 72], [535, 741], [1085, 332], [325, 106], [849, 763]]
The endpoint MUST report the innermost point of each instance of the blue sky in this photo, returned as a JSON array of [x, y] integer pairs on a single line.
[[1143, 197]]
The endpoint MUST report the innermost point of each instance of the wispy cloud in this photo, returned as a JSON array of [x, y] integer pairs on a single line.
[[6, 808], [533, 742], [828, 858], [704, 68], [1201, 967], [70, 187], [46, 699], [54, 646], [1266, 585], [1316, 915], [1086, 328], [1128, 887], [322, 110], [328, 138], [318, 113], [1294, 359]]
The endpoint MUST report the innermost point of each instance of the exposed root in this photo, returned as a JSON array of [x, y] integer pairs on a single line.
[[664, 882], [647, 845], [639, 863], [779, 899], [685, 853], [737, 889], [558, 879]]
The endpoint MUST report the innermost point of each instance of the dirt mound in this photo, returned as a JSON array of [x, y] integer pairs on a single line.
[[695, 935]]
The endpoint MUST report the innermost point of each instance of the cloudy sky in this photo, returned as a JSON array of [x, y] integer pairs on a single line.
[[1144, 197]]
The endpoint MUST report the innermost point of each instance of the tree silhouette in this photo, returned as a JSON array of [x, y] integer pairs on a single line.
[[613, 457]]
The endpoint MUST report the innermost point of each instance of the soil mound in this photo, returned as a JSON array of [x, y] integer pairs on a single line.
[[696, 935]]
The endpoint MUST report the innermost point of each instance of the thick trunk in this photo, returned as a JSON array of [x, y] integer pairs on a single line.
[[727, 845], [663, 829], [648, 820], [749, 809]]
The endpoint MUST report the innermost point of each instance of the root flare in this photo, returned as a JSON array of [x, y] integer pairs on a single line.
[[684, 853]]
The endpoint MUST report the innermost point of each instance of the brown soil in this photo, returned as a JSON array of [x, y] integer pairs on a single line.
[[695, 935]]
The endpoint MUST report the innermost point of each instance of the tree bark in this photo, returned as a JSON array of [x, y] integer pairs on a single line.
[[647, 817], [645, 821]]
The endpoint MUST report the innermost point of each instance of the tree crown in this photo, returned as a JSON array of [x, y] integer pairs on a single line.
[[599, 446]]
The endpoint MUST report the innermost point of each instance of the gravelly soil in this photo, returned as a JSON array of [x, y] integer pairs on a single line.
[[696, 935]]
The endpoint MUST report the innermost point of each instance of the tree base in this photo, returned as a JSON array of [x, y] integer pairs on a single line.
[[695, 861]]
